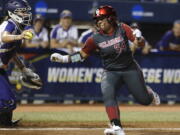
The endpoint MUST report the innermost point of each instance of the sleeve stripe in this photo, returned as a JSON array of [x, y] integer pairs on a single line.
[[54, 31]]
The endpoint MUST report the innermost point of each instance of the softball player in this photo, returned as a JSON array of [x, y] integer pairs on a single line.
[[119, 65], [11, 35]]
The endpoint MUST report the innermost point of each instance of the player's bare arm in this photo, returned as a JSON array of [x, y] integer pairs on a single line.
[[8, 37], [18, 62], [74, 43], [29, 44], [55, 44], [44, 44], [88, 48], [29, 78], [174, 47]]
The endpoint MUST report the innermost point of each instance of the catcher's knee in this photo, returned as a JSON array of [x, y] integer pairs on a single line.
[[7, 105]]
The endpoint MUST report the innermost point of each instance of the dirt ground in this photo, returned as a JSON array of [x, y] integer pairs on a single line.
[[97, 107], [85, 132], [60, 108]]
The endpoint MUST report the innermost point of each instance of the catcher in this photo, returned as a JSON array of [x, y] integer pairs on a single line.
[[119, 65], [12, 33]]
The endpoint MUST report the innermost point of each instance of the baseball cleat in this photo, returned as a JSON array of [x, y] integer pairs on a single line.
[[114, 130], [156, 98], [10, 124], [15, 123]]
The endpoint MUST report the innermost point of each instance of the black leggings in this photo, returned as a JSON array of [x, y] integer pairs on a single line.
[[132, 77]]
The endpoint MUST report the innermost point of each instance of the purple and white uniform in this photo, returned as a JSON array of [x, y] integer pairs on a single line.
[[7, 51], [60, 34], [42, 36]]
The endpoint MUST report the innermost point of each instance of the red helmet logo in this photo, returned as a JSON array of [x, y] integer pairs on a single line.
[[105, 11], [100, 12]]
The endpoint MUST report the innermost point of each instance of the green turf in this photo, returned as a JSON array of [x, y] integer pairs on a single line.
[[98, 116]]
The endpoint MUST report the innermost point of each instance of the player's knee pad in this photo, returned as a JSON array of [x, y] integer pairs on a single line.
[[7, 105]]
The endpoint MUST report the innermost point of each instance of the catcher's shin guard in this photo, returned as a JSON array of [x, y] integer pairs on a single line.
[[6, 119]]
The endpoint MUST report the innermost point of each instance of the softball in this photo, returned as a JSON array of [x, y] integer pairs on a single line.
[[28, 35], [18, 86]]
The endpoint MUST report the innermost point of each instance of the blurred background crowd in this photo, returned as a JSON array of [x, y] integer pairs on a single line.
[[65, 35], [65, 32]]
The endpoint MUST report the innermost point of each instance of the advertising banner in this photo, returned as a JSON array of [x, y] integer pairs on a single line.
[[161, 71]]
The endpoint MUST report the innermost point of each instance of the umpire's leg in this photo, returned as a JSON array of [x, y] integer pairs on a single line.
[[134, 79], [110, 81]]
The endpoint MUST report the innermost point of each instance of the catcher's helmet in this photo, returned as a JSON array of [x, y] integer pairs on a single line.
[[13, 7], [105, 12]]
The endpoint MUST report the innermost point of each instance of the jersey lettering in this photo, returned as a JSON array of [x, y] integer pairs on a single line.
[[111, 42]]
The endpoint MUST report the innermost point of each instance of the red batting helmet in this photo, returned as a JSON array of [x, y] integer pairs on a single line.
[[105, 12]]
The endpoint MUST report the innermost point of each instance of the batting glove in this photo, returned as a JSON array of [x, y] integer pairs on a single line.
[[56, 57], [137, 33]]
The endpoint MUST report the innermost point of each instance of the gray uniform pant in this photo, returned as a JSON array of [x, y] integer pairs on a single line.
[[132, 77]]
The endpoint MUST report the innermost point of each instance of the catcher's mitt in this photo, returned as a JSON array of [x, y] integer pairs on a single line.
[[30, 79]]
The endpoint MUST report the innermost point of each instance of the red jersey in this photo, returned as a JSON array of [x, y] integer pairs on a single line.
[[114, 48]]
